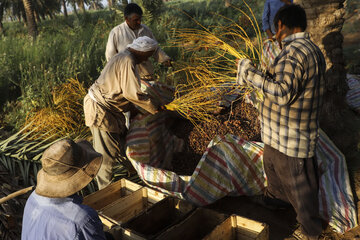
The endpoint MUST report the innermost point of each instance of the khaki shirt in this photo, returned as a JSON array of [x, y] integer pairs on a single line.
[[112, 94], [121, 35]]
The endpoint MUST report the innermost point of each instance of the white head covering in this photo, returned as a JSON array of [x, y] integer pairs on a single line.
[[143, 44]]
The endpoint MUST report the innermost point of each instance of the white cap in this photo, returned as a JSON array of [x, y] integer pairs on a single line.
[[143, 44]]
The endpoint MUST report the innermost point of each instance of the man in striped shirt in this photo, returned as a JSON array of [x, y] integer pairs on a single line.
[[289, 115]]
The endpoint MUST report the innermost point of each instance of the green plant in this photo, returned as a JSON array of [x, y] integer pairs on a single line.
[[152, 9], [62, 50], [74, 47]]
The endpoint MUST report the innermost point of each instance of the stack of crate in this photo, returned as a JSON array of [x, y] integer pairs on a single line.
[[130, 211]]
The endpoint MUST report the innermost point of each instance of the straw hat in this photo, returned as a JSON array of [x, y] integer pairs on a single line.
[[67, 167]]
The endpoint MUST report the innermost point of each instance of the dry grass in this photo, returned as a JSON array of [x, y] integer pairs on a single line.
[[65, 116]]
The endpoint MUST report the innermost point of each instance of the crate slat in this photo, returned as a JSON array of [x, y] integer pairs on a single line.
[[157, 218], [239, 228], [111, 193], [196, 226]]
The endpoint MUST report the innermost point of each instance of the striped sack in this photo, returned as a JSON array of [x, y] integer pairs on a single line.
[[231, 166]]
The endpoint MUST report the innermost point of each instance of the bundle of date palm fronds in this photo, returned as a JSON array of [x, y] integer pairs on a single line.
[[211, 75]]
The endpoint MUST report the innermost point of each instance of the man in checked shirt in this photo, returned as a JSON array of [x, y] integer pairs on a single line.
[[289, 114]]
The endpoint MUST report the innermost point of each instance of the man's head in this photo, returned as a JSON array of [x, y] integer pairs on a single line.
[[142, 48], [133, 15], [67, 167], [288, 20]]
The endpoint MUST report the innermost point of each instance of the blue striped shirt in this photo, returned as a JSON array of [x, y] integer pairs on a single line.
[[60, 218]]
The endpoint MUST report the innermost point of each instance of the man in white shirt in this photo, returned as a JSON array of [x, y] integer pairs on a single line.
[[125, 33]]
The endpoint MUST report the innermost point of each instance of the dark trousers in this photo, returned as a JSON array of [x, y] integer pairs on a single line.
[[296, 181]]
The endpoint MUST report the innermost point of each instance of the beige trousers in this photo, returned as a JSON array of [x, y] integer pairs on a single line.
[[112, 147]]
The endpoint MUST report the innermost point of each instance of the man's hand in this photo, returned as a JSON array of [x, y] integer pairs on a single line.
[[242, 66]]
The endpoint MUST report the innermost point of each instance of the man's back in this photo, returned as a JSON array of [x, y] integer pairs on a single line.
[[60, 218], [292, 104]]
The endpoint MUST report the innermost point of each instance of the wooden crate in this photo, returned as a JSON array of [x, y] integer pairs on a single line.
[[156, 219], [196, 226], [123, 209], [239, 228], [154, 196], [121, 201], [110, 194]]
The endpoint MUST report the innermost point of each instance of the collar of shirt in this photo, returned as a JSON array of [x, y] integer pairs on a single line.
[[287, 40], [137, 31], [45, 200]]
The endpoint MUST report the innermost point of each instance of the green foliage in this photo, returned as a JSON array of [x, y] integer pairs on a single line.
[[64, 49], [152, 10], [74, 47], [26, 170]]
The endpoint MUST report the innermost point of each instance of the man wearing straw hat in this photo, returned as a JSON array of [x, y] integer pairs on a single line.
[[54, 210], [117, 90], [289, 115]]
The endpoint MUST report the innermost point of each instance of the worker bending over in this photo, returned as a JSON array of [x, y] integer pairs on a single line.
[[117, 90]]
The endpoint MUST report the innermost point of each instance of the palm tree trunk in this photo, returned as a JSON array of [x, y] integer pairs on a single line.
[[49, 13], [81, 5], [2, 31], [110, 3], [23, 16], [64, 7], [74, 7], [31, 24], [325, 21], [42, 15], [37, 17]]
